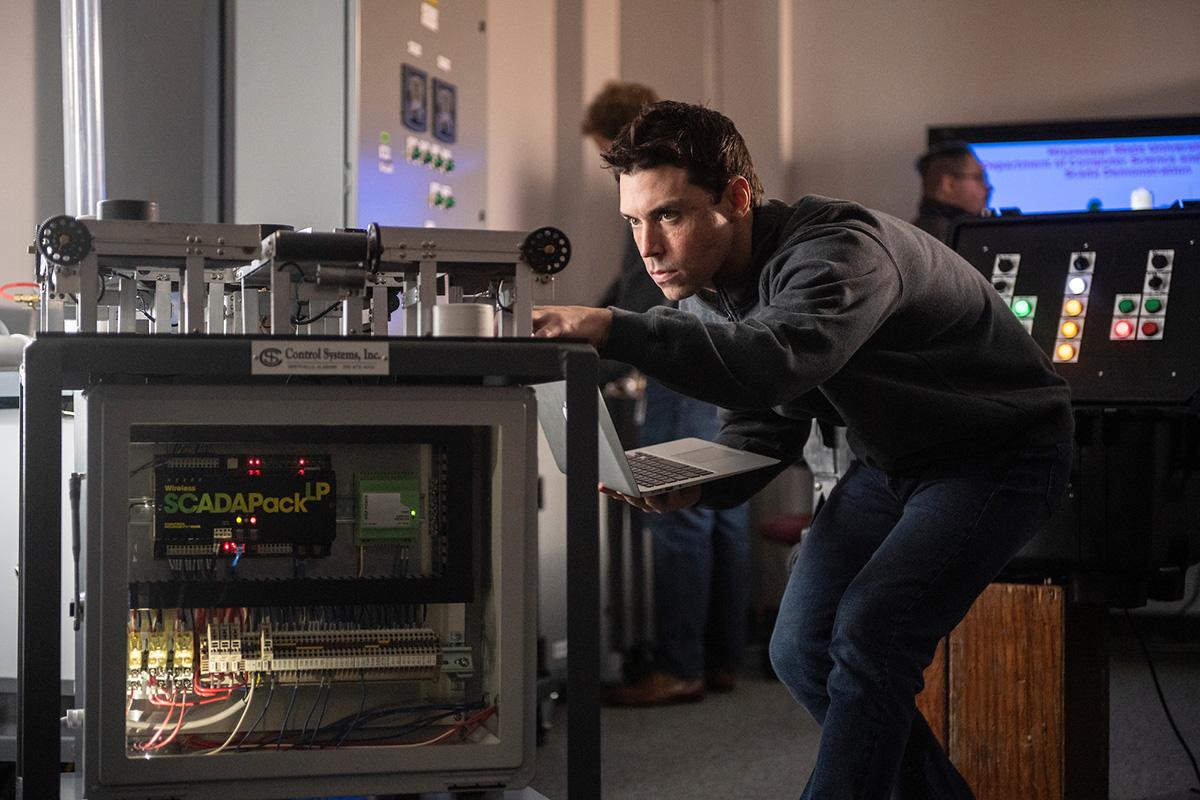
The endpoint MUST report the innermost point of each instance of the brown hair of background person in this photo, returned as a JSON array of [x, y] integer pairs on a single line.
[[712, 154], [613, 107]]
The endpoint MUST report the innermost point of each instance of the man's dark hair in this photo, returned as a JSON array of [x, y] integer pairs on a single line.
[[699, 140], [613, 108], [946, 158]]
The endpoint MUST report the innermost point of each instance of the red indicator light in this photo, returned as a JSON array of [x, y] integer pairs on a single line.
[[254, 520], [302, 462], [1123, 329], [300, 471], [1149, 328]]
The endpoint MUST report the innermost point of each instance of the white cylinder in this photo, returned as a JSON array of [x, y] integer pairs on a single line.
[[1141, 199], [464, 319]]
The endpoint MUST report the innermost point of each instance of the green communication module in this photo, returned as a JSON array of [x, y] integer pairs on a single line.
[[387, 508]]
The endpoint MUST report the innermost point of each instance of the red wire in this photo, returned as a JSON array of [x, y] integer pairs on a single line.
[[18, 284]]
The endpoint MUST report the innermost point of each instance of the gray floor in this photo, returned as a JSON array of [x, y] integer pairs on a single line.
[[756, 743]]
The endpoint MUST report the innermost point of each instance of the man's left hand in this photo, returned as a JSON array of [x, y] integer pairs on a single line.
[[659, 503], [572, 322]]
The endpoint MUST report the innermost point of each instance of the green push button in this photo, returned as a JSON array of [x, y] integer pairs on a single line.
[[1153, 305], [1126, 306]]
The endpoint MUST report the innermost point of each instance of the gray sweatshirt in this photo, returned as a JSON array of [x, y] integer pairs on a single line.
[[857, 318]]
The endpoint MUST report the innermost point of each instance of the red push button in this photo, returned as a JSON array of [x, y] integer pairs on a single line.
[[1149, 328]]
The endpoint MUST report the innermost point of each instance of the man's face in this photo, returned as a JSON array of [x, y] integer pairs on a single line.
[[684, 238], [968, 187]]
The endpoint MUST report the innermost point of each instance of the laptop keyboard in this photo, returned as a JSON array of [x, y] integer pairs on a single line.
[[651, 471]]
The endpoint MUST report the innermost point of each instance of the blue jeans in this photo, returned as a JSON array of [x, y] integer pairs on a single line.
[[893, 562], [701, 558]]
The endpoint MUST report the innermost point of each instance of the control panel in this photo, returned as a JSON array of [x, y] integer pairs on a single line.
[[418, 123], [1097, 291]]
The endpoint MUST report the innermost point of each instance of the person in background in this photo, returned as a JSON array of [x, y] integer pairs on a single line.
[[701, 555], [953, 185], [823, 308]]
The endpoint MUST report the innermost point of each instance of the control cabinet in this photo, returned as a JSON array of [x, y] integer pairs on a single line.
[[305, 589], [1111, 299]]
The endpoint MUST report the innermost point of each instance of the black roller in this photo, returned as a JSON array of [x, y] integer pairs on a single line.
[[64, 240], [265, 229], [547, 250], [141, 210], [320, 247]]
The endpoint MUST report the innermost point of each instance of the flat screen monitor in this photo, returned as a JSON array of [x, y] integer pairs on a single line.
[[1096, 165]]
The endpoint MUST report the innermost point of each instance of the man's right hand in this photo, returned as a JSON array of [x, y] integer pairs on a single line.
[[573, 322]]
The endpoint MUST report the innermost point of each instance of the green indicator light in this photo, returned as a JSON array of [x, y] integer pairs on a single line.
[[1022, 308], [412, 513], [384, 137], [416, 152], [428, 158], [1125, 306], [449, 202], [1154, 305], [449, 165]]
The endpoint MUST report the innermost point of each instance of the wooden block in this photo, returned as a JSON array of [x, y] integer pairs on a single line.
[[1006, 693]]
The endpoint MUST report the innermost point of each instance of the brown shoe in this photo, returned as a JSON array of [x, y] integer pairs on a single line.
[[656, 689], [721, 681]]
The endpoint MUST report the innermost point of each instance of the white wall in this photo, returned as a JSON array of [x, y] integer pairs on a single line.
[[869, 78], [17, 125]]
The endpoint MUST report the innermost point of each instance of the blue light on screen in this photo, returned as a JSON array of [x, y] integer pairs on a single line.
[[1048, 176]]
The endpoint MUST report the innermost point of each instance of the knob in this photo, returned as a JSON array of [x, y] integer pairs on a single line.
[[1159, 261], [1082, 263], [1006, 265]]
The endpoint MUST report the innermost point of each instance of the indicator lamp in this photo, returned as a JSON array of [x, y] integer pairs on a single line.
[[1149, 328], [1069, 329], [254, 520], [1126, 306], [1022, 308], [238, 520], [1077, 285], [1065, 352], [1153, 305], [1123, 329], [1073, 308]]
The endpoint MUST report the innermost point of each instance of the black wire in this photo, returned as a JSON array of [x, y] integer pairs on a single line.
[[283, 726], [299, 320], [1163, 700], [261, 714], [362, 702], [304, 729], [312, 739]]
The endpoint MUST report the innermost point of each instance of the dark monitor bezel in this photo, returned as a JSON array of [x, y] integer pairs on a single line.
[[1065, 129]]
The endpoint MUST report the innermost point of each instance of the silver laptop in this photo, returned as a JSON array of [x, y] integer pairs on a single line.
[[647, 470]]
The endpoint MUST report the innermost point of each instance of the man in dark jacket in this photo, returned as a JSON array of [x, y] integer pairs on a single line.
[[954, 185], [827, 309]]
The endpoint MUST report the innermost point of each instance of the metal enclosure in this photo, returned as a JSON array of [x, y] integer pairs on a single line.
[[396, 86], [180, 403], [484, 613]]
